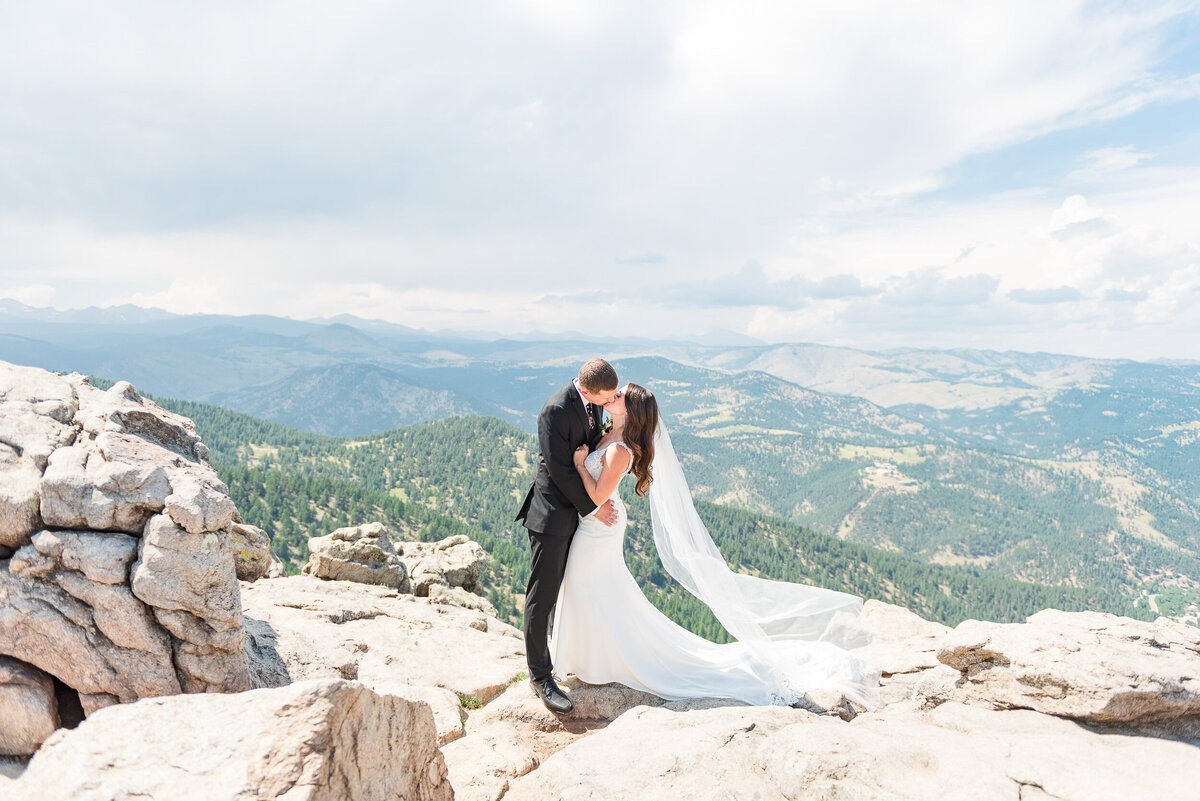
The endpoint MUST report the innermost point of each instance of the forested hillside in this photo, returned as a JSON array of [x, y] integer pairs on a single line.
[[1033, 466], [468, 474]]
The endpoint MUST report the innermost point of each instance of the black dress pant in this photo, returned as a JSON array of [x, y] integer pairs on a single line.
[[548, 561]]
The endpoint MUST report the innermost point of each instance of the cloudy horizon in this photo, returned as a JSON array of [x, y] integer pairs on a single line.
[[1015, 177]]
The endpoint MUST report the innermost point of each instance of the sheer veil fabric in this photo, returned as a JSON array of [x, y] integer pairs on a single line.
[[774, 619]]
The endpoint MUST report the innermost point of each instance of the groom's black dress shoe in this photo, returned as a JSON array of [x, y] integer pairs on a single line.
[[551, 696]]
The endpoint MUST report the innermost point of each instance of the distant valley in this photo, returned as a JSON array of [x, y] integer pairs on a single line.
[[1056, 469]]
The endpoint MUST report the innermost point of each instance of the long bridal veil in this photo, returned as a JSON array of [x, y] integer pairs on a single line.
[[752, 609]]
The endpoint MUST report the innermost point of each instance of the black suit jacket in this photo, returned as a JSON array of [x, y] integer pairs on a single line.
[[557, 498]]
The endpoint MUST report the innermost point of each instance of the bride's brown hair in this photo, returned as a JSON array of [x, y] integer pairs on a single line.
[[641, 419]]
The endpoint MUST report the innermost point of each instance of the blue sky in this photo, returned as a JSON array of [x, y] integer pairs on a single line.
[[1014, 176]]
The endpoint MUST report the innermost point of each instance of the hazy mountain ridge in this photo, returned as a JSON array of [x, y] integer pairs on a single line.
[[474, 471]]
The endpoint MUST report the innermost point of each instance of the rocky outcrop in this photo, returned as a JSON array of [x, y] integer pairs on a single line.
[[453, 562], [447, 572], [28, 707], [772, 754], [513, 735], [310, 740], [358, 553], [117, 574], [466, 670], [905, 649], [301, 627], [1096, 668], [909, 748]]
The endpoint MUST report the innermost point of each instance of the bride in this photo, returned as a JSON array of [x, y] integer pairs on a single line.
[[791, 638]]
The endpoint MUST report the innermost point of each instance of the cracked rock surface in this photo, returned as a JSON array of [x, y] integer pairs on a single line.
[[302, 627], [498, 743], [117, 575], [1096, 668], [320, 740]]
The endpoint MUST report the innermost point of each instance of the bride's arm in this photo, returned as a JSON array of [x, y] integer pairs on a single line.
[[616, 462]]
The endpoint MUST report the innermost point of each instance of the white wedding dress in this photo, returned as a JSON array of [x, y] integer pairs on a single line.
[[605, 630]]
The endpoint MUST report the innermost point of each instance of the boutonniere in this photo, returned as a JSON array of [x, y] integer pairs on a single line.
[[606, 423]]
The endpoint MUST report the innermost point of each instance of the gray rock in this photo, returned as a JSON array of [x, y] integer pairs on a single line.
[[28, 707], [453, 562], [358, 553], [277, 569], [251, 551], [653, 753], [43, 624], [447, 708], [261, 644], [482, 766], [199, 503], [122, 409], [937, 686], [190, 572], [101, 556], [119, 576], [442, 594], [311, 740], [773, 753], [36, 410], [49, 394], [1092, 667], [904, 641], [596, 703], [962, 752], [113, 483], [19, 499], [515, 733], [369, 632]]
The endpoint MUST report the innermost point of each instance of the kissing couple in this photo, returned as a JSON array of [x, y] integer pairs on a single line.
[[789, 638]]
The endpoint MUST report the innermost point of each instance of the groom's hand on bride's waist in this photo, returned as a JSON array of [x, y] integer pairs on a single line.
[[606, 513]]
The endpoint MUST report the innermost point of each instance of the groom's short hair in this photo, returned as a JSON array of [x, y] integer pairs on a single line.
[[598, 376]]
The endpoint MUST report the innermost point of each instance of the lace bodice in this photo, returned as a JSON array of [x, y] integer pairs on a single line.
[[594, 463]]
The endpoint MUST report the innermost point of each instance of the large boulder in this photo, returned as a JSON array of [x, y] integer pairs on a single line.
[[446, 572], [904, 648], [301, 627], [773, 753], [904, 641], [114, 482], [95, 636], [357, 553], [28, 707], [252, 554], [19, 499], [117, 571], [652, 753], [452, 562], [277, 568], [515, 733], [1092, 667], [308, 741], [36, 412]]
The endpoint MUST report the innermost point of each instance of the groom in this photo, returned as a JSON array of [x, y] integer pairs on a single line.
[[553, 506]]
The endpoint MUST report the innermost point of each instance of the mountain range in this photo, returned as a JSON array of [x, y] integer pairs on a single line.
[[1043, 467]]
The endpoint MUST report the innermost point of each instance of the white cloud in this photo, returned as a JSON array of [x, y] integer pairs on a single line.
[[31, 295], [1058, 294], [526, 162], [1109, 159], [933, 287]]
